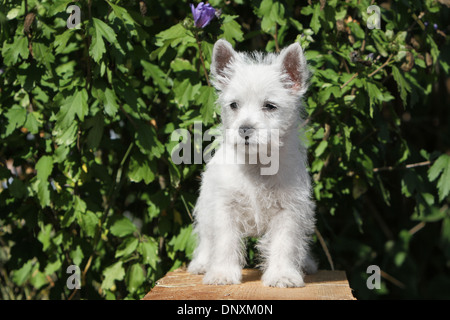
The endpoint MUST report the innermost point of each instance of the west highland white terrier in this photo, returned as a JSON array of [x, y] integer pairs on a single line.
[[260, 96]]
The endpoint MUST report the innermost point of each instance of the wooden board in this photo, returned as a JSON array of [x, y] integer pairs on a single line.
[[181, 285]]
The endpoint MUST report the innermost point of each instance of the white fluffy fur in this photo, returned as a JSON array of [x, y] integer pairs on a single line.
[[235, 200]]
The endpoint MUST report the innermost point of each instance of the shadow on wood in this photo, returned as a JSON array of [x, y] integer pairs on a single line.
[[181, 285]]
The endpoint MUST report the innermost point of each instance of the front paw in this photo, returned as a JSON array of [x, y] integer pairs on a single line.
[[283, 279], [222, 276], [196, 267]]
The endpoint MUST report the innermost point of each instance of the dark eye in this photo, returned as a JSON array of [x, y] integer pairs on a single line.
[[233, 106], [270, 107]]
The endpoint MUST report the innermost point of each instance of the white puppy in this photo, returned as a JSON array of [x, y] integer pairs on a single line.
[[262, 188]]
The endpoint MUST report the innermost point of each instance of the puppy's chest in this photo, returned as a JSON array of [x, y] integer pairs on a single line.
[[252, 210]]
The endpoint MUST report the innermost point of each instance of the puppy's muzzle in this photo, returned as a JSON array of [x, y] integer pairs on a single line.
[[245, 132]]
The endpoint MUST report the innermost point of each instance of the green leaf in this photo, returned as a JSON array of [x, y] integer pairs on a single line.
[[271, 13], [321, 148], [185, 92], [135, 277], [43, 54], [45, 236], [171, 37], [122, 227], [147, 140], [96, 125], [149, 251], [101, 30], [44, 167], [122, 14], [403, 85], [21, 275], [232, 30], [16, 117], [176, 32], [158, 76], [11, 52], [38, 279], [110, 103], [66, 136], [348, 141], [140, 168], [77, 104], [207, 98], [61, 40], [77, 255], [111, 274], [315, 21], [52, 267], [184, 241], [356, 30], [127, 247], [88, 222], [375, 95], [175, 174], [32, 123], [442, 165]]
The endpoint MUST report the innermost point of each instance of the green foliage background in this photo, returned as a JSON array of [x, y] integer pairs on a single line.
[[86, 116]]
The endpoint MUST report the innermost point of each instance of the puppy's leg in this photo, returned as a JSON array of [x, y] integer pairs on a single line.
[[202, 252], [227, 249], [285, 249]]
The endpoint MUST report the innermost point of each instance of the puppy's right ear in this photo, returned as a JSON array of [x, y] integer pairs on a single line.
[[222, 60]]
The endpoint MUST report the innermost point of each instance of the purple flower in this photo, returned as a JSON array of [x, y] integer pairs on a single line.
[[203, 14], [435, 26]]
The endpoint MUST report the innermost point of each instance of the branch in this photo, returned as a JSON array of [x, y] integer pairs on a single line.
[[382, 66], [200, 52], [275, 38], [370, 75], [408, 166], [391, 168], [349, 80], [325, 248]]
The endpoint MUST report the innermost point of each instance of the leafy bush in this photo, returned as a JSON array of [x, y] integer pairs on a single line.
[[87, 114]]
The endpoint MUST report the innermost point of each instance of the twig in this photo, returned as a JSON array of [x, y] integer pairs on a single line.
[[383, 225], [349, 80], [370, 75], [187, 209], [391, 168], [275, 38], [408, 166], [391, 279], [417, 227], [382, 66], [325, 248], [73, 294], [200, 53], [88, 44]]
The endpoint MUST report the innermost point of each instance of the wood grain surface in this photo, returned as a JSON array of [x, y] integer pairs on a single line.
[[181, 285]]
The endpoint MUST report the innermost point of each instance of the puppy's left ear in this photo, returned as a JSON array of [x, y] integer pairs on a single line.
[[294, 68]]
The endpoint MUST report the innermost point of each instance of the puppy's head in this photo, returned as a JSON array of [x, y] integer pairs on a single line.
[[258, 93]]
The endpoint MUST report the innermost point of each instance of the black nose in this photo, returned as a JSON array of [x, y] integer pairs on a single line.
[[245, 131]]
